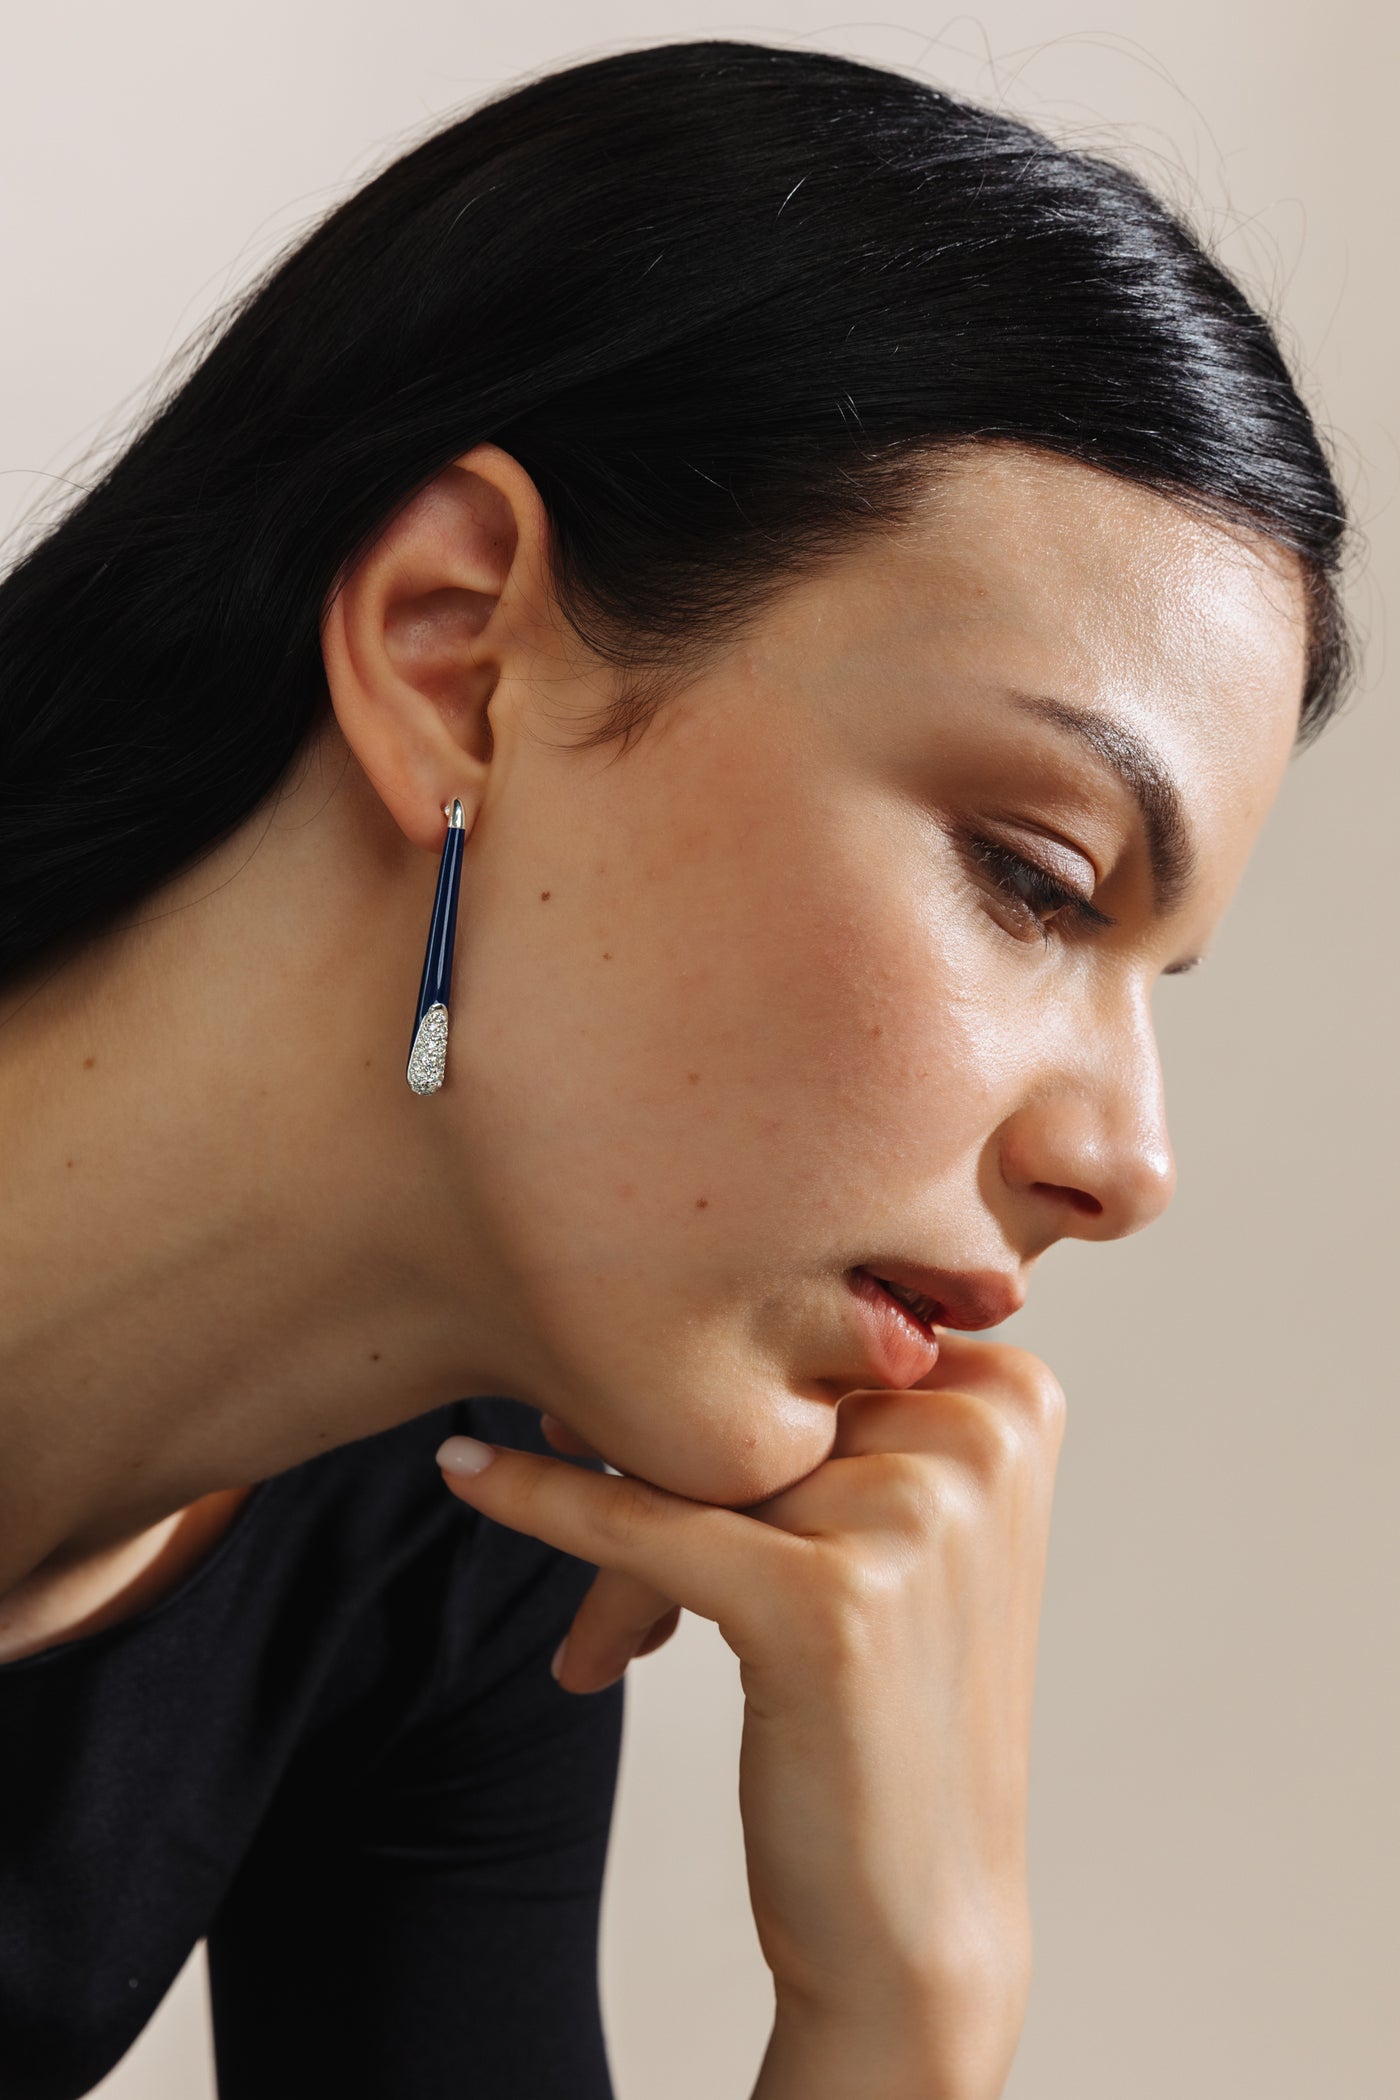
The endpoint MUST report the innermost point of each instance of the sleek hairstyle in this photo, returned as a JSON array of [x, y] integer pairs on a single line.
[[724, 303]]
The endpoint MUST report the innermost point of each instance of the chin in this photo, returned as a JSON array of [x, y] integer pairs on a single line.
[[750, 1463]]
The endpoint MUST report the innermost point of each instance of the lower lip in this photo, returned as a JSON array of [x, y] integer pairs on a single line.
[[901, 1348]]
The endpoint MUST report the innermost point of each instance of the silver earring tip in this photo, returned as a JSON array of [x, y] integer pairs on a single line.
[[427, 1061]]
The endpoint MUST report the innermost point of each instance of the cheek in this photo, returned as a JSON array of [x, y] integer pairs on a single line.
[[877, 1033], [723, 1048]]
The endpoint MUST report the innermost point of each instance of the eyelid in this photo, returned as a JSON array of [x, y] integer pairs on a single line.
[[992, 855], [1018, 846], [1027, 834]]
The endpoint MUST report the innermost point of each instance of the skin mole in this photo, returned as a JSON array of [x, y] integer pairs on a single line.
[[545, 896]]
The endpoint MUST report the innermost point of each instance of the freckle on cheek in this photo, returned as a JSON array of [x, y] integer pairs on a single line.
[[545, 896], [877, 1030], [702, 1203], [693, 1078], [88, 1063], [627, 1190], [606, 956]]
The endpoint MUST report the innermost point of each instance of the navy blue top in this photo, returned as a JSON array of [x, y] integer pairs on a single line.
[[336, 1750]]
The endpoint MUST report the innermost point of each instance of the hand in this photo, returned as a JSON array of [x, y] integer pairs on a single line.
[[619, 1620], [885, 1612]]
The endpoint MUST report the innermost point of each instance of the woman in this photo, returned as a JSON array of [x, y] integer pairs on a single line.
[[836, 581]]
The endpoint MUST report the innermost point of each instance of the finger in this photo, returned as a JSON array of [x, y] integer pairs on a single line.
[[898, 1456], [661, 1632], [716, 1562], [611, 1626], [972, 1381]]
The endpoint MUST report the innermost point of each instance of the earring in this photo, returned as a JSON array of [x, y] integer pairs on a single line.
[[427, 1060]]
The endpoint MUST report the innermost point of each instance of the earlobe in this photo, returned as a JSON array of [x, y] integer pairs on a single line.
[[424, 628]]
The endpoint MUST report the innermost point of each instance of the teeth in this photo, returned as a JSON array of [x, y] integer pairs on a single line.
[[923, 1307]]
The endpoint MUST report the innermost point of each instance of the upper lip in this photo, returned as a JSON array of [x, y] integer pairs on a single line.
[[966, 1298]]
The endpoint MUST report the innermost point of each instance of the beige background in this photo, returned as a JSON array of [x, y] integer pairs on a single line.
[[1215, 1865]]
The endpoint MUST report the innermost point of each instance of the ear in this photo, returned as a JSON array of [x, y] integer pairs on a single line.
[[451, 597]]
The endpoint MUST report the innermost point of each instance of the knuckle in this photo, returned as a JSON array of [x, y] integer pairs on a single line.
[[1027, 1390], [838, 1600], [991, 1440], [908, 1491], [847, 1616], [1003, 1453], [1048, 1409]]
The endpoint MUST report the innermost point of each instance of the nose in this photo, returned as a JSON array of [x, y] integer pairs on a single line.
[[1087, 1155]]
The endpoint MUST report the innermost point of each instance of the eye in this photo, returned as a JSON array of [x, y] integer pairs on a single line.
[[1030, 896]]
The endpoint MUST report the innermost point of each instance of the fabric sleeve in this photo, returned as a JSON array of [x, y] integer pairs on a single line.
[[418, 1918]]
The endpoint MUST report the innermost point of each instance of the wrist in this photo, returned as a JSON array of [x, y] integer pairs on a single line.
[[951, 2041], [803, 2062]]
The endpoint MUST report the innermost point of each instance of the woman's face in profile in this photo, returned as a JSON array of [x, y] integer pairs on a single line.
[[843, 969]]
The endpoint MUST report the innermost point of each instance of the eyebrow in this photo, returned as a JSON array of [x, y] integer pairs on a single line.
[[1171, 854]]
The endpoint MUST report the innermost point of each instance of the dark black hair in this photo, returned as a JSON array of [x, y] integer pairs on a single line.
[[721, 301]]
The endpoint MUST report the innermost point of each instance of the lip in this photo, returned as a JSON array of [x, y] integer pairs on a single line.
[[899, 1348], [968, 1299], [901, 1343]]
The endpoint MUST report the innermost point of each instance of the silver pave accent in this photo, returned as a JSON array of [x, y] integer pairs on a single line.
[[427, 1061]]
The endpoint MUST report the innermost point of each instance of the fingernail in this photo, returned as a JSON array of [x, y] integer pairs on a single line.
[[558, 1663], [463, 1454]]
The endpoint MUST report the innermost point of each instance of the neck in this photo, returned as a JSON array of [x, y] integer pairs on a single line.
[[228, 1234]]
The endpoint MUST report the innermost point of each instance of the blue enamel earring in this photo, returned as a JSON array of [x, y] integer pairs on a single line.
[[427, 1059]]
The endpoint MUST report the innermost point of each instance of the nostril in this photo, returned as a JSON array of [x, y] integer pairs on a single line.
[[1078, 1199]]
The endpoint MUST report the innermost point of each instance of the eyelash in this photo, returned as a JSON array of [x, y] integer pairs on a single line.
[[1035, 892]]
